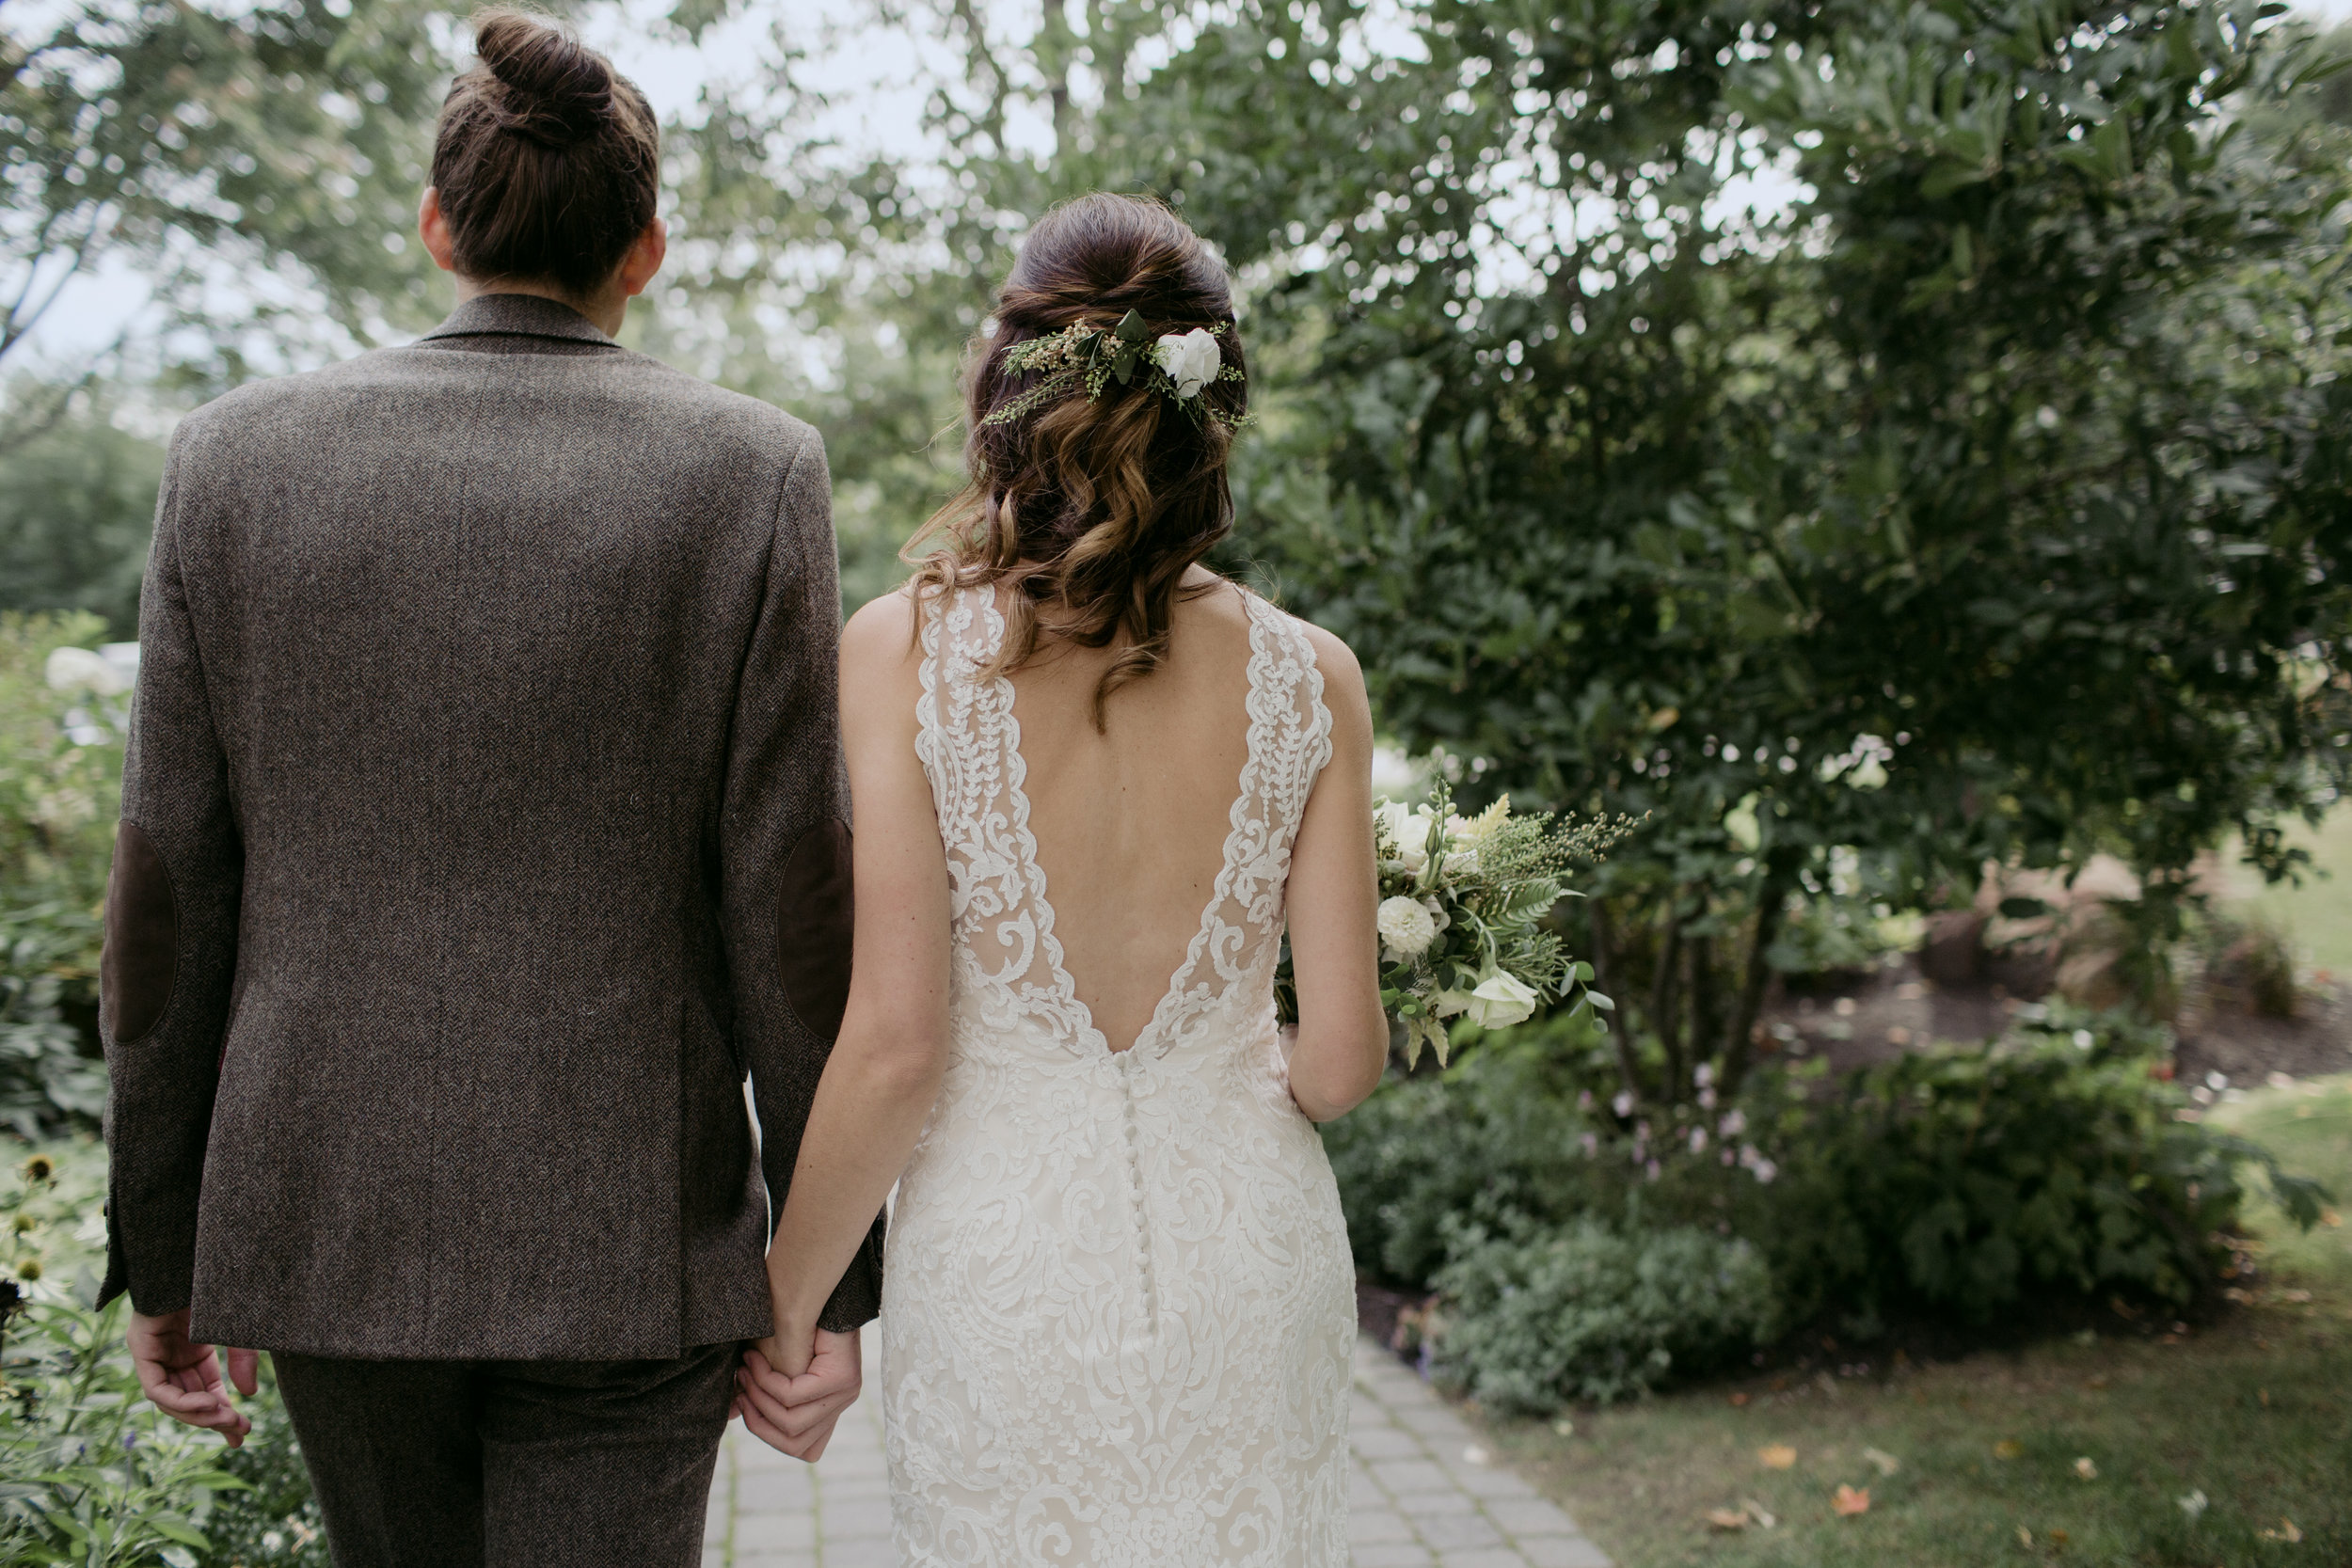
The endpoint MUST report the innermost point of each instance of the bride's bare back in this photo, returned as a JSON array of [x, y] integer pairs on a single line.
[[1130, 820]]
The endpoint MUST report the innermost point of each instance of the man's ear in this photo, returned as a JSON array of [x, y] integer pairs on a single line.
[[433, 229], [643, 260]]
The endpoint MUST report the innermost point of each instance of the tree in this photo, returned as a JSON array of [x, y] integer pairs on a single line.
[[258, 164], [1985, 500], [77, 509]]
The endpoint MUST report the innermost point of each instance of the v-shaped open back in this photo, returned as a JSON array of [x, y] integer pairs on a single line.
[[1005, 942]]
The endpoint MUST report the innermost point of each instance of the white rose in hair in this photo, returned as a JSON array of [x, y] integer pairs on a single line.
[[1407, 929], [1191, 361]]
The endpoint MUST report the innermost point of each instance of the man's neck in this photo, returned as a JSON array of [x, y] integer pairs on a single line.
[[608, 314]]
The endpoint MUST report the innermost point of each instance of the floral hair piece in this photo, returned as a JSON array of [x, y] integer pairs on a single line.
[[1178, 366]]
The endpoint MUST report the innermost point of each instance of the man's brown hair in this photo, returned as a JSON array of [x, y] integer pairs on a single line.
[[546, 159]]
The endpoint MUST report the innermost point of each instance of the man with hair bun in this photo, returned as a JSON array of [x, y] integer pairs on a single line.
[[483, 830]]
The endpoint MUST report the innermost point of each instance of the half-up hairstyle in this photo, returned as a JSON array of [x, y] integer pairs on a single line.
[[546, 159], [1091, 510]]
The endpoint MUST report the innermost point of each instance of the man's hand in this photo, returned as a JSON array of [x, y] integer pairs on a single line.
[[794, 1412], [184, 1380]]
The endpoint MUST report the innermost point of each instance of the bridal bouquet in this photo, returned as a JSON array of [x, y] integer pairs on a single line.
[[1463, 902]]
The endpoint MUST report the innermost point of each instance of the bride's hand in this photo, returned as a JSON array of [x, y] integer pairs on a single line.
[[795, 1414]]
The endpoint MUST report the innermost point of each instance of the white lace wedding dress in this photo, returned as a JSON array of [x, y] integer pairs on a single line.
[[1118, 1307]]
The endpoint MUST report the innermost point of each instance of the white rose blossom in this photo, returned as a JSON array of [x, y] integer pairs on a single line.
[[1500, 1000], [1191, 360], [1407, 929]]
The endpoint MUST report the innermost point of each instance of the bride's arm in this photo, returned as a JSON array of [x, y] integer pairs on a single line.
[[885, 1068], [1343, 1040]]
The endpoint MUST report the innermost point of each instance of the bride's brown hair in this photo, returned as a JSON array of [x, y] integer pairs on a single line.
[[1091, 510]]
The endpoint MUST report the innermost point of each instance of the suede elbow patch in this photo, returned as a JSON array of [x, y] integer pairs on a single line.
[[141, 958], [815, 911]]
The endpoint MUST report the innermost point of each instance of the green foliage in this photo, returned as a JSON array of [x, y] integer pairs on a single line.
[[89, 1473], [77, 507], [195, 143], [2048, 1168], [1966, 1182], [1496, 1137], [1534, 1318], [1982, 501], [60, 783]]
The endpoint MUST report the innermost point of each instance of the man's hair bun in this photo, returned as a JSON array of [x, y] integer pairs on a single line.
[[556, 91], [546, 160]]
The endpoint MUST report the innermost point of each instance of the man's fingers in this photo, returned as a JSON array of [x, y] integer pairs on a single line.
[[244, 1370], [802, 1421], [770, 1409], [774, 1437]]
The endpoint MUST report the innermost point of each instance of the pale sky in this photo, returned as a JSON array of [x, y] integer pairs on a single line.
[[874, 74]]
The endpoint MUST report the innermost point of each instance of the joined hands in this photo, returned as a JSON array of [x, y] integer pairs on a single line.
[[790, 1400]]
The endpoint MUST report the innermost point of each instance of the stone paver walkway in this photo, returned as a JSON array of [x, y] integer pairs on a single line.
[[1425, 1495]]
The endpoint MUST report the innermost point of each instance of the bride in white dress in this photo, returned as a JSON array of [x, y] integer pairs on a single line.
[[1093, 781]]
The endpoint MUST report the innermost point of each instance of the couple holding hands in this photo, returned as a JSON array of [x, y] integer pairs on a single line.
[[488, 825]]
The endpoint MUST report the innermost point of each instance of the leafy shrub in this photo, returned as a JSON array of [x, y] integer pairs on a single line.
[[1535, 1319], [89, 1472], [1491, 1139], [1951, 1185], [1961, 1180], [61, 785]]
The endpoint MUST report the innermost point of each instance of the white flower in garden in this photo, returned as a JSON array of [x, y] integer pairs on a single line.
[[1623, 1104], [80, 669], [1461, 863], [1698, 1140], [1502, 1000], [1191, 361], [1407, 929], [1734, 1123]]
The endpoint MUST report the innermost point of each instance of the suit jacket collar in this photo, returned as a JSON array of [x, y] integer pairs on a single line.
[[518, 315]]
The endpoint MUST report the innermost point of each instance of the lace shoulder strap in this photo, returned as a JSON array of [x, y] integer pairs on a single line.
[[969, 743], [1290, 742]]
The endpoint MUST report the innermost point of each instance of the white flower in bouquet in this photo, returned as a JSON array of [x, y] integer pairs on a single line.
[[1465, 919], [1407, 929], [1498, 1001], [1408, 831]]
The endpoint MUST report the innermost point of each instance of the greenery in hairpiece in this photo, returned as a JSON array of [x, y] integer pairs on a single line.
[[1177, 365]]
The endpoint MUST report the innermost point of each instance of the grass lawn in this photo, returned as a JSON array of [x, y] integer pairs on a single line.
[[2317, 916], [1979, 1460]]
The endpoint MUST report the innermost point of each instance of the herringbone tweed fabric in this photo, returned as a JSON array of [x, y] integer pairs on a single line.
[[512, 1464], [484, 790]]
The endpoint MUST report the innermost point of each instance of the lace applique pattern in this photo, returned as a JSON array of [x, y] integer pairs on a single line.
[[1120, 1307]]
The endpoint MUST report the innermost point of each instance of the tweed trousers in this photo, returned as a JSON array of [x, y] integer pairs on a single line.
[[512, 1464]]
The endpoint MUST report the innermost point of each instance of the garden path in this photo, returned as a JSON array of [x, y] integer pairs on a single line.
[[1426, 1495]]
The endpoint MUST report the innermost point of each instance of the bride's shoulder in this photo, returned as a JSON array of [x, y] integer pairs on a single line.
[[883, 637]]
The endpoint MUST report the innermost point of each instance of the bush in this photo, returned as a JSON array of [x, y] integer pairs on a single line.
[[1535, 1319], [1960, 1181], [60, 790], [89, 1472], [2054, 1167], [1492, 1139]]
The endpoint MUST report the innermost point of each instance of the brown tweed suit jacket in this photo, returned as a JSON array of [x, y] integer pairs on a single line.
[[483, 826]]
